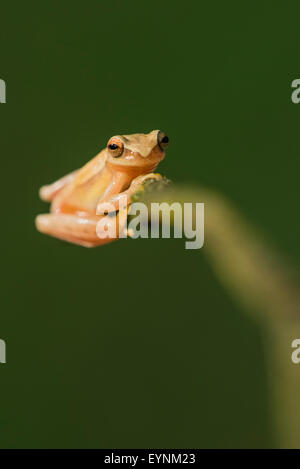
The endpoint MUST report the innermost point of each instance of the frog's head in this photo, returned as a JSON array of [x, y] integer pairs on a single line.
[[137, 152]]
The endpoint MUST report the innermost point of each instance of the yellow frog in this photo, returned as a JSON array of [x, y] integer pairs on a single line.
[[120, 169]]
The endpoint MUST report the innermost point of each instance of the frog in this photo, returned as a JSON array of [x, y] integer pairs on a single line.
[[117, 171]]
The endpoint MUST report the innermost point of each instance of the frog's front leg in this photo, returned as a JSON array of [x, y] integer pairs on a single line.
[[48, 192], [71, 228], [134, 187]]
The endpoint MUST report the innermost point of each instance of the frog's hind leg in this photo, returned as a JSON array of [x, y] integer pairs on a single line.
[[71, 228]]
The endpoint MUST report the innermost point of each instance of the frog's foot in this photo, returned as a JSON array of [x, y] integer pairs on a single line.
[[71, 228], [150, 187]]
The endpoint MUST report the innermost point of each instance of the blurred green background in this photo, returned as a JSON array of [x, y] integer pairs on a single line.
[[137, 344]]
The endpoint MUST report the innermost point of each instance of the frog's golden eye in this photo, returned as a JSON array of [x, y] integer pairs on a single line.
[[162, 140], [115, 147]]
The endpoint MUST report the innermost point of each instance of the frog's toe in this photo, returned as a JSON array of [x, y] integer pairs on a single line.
[[42, 223]]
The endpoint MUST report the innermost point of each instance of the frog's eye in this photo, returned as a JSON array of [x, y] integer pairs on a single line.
[[115, 147], [162, 140]]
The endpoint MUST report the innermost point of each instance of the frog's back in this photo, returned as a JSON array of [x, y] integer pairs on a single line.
[[84, 192]]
